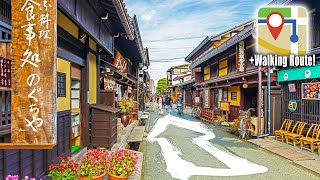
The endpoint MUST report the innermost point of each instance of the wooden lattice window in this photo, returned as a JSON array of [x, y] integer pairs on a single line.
[[61, 84]]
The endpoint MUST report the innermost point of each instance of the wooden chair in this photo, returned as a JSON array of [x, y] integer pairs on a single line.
[[296, 132], [319, 148], [312, 137], [285, 128]]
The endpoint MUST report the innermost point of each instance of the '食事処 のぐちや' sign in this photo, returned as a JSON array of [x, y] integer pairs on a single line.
[[33, 72]]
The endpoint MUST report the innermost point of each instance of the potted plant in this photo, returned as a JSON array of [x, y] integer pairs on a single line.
[[121, 164], [67, 169], [125, 105], [93, 164]]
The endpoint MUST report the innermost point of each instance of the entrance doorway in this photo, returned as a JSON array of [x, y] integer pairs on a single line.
[[250, 99], [75, 108]]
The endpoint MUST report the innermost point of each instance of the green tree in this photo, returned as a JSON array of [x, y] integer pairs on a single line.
[[162, 85]]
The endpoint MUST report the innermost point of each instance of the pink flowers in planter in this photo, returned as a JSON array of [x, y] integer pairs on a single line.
[[16, 177], [122, 162], [94, 163]]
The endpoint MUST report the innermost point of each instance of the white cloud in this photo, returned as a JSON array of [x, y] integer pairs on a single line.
[[149, 16], [167, 19]]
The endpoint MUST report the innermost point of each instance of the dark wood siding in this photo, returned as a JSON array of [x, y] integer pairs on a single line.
[[34, 163], [63, 146]]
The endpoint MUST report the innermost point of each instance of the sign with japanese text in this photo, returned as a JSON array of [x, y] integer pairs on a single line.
[[206, 98], [5, 72], [34, 71], [120, 63], [241, 59]]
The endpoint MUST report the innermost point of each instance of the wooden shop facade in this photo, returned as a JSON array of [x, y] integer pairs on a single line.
[[91, 36], [225, 79]]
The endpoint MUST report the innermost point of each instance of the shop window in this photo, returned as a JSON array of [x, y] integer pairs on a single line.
[[61, 84], [206, 73], [233, 96], [223, 68], [232, 65], [214, 70]]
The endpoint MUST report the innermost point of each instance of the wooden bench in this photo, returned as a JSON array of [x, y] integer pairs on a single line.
[[312, 137], [296, 132], [285, 128]]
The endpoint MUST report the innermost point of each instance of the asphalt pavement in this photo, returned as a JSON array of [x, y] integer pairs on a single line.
[[185, 148]]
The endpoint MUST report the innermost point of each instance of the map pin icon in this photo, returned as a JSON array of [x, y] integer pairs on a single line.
[[275, 22]]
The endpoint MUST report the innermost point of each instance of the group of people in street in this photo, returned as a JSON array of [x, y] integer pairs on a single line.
[[164, 103]]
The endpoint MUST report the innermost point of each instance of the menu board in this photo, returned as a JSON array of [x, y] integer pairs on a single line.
[[5, 72], [311, 91]]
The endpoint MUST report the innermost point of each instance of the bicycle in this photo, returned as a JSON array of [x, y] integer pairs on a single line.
[[244, 130], [196, 111]]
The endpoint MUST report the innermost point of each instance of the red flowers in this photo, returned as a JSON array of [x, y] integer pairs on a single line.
[[57, 171]]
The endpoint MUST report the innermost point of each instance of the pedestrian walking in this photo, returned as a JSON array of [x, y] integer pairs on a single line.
[[152, 104], [168, 103], [160, 102], [163, 102]]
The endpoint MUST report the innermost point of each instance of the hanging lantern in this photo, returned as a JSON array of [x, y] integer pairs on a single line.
[[245, 86]]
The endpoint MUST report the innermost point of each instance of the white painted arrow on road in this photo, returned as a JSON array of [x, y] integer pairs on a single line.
[[182, 169]]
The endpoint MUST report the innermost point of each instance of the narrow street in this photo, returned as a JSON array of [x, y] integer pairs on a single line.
[[185, 148]]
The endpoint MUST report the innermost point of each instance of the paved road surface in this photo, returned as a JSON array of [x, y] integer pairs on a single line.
[[188, 149]]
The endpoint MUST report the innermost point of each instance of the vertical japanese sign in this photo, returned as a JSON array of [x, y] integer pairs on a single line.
[[33, 72], [241, 58], [206, 98]]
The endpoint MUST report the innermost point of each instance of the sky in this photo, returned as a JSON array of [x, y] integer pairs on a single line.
[[162, 21]]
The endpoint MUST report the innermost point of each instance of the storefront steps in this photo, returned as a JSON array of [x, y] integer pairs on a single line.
[[302, 158]]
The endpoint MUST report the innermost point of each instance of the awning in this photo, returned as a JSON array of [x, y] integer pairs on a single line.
[[300, 73], [248, 31]]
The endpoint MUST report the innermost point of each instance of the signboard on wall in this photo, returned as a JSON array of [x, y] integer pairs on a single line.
[[225, 106], [34, 65], [5, 72], [292, 87], [206, 98], [121, 63], [311, 91]]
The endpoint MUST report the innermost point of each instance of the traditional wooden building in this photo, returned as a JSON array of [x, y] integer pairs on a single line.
[[223, 72], [175, 76], [90, 34]]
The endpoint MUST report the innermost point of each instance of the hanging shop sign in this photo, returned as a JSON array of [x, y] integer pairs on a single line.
[[311, 91], [308, 72], [5, 72], [109, 84], [241, 59], [292, 105], [206, 98], [292, 87], [34, 42], [121, 63]]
